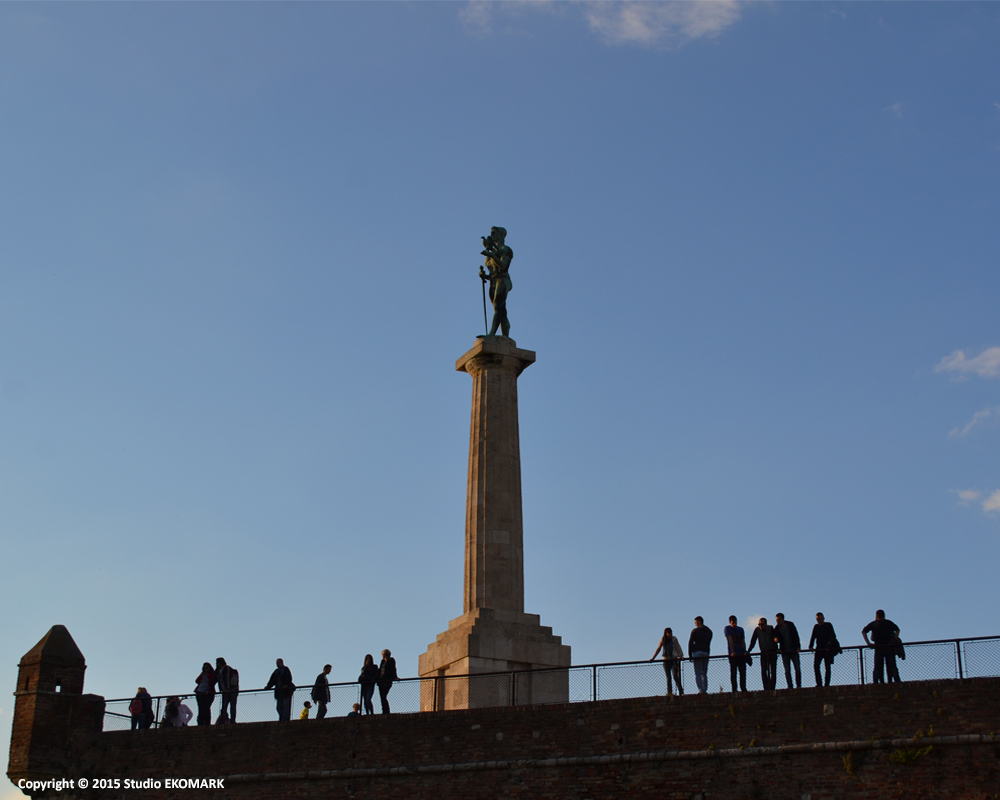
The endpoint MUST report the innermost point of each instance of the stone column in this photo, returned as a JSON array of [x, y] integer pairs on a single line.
[[494, 635], [494, 532]]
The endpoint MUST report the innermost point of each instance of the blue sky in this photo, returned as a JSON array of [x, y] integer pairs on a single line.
[[755, 251]]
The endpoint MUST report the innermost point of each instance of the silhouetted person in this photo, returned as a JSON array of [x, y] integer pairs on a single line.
[[764, 634], [321, 692], [141, 709], [176, 714], [699, 649], [281, 681], [825, 639], [386, 675], [672, 655], [204, 693], [368, 678], [787, 637], [885, 638], [228, 679], [737, 642]]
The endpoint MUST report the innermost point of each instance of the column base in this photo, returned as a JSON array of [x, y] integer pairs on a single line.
[[487, 640]]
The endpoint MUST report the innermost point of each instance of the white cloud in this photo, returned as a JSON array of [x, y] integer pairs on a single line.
[[985, 365], [895, 108], [669, 22], [992, 503], [477, 16], [977, 418], [966, 496], [646, 23]]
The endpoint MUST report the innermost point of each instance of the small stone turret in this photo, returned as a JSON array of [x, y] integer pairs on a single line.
[[50, 707]]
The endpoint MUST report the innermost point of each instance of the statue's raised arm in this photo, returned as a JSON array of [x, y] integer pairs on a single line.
[[495, 269]]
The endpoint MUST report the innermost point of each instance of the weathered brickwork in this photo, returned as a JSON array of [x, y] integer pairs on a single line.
[[664, 748]]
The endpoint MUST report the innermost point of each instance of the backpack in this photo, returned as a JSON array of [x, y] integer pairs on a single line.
[[135, 707], [229, 679]]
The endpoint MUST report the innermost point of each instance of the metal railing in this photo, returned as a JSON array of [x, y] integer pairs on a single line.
[[977, 657]]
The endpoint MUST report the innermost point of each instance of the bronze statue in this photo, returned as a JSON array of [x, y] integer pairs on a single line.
[[498, 257]]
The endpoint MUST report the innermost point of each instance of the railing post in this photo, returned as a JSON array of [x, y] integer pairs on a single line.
[[593, 669], [513, 688], [861, 664], [958, 657]]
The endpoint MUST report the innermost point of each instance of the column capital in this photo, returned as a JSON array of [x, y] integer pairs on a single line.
[[495, 351]]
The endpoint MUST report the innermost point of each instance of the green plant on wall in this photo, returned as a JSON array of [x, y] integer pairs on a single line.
[[853, 762], [909, 755]]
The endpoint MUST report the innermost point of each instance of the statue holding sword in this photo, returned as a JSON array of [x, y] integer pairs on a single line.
[[495, 271]]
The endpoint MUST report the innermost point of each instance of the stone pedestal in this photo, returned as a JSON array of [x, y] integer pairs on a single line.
[[494, 635]]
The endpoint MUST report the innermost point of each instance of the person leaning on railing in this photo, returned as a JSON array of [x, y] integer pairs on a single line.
[[672, 655], [885, 640], [176, 714], [786, 636], [284, 688]]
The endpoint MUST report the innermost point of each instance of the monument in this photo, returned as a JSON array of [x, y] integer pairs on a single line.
[[494, 634]]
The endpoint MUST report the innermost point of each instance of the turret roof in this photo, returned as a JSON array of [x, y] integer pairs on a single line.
[[57, 643]]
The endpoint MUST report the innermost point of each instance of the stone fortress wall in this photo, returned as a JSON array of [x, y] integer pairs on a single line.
[[932, 739]]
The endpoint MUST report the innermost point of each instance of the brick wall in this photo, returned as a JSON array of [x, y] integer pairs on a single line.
[[809, 744]]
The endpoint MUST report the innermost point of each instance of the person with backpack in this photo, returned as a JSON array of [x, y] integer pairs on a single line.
[[386, 675], [141, 709], [321, 692], [229, 684], [204, 693], [281, 682]]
